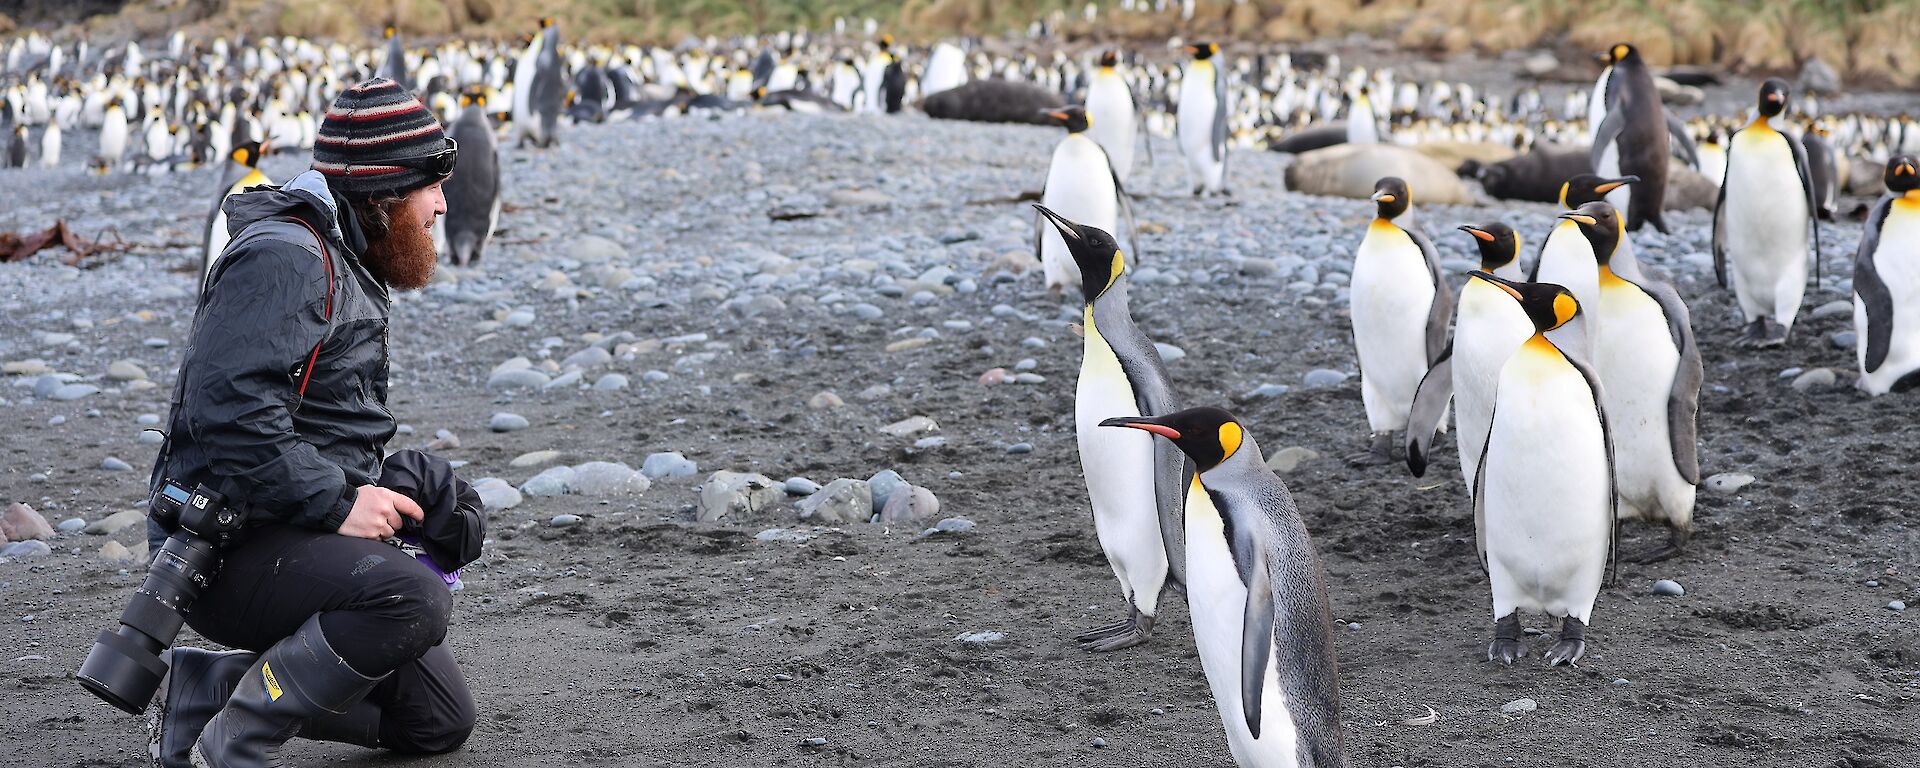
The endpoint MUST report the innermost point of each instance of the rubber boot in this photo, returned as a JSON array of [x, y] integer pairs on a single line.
[[199, 682], [299, 678], [360, 725]]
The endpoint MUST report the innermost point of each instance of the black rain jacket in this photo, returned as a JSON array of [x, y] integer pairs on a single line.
[[239, 423]]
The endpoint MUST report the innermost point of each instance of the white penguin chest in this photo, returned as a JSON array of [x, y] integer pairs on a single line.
[[1391, 293], [1197, 104], [1896, 260], [1217, 601], [1636, 365], [1766, 207]]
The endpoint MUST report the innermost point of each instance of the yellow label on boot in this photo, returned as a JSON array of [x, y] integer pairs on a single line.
[[273, 686]]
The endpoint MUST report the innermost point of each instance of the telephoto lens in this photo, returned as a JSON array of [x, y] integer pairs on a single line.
[[124, 667]]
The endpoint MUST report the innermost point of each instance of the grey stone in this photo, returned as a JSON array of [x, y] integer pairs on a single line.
[[841, 502], [564, 381], [910, 504], [668, 464], [654, 377], [562, 521], [1818, 378], [602, 479], [1266, 391], [1843, 339], [155, 343], [591, 357], [125, 370], [1897, 605], [1168, 352], [1728, 482], [883, 484], [26, 550], [729, 494], [551, 481], [1029, 378], [496, 494], [954, 525], [1019, 449], [1519, 705], [149, 437], [519, 318], [520, 379], [800, 486], [112, 464], [1669, 588], [147, 419], [115, 552], [1834, 308], [825, 400], [74, 392], [116, 522], [612, 382], [782, 534], [981, 637], [71, 525], [911, 425], [507, 422], [1290, 458], [1097, 742], [1322, 377], [533, 459], [593, 249]]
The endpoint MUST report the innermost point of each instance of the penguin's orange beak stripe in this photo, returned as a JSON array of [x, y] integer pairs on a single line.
[[1479, 233], [1903, 170], [1579, 217], [1159, 429]]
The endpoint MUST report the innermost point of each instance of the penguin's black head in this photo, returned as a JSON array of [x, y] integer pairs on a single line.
[[1203, 51], [1110, 58], [886, 42], [1094, 251], [1074, 118], [1586, 188], [1773, 97], [247, 154], [1618, 53], [1209, 435], [1601, 225], [1499, 244], [390, 32], [1903, 174], [1391, 197], [1548, 305]]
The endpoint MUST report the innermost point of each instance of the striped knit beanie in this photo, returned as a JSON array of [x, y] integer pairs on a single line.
[[370, 122]]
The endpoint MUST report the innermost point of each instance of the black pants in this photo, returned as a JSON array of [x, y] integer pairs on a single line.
[[380, 609]]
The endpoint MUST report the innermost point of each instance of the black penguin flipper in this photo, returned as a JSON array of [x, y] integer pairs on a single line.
[[1871, 290], [1683, 398], [1719, 229], [1682, 144], [1806, 189], [1608, 132], [1480, 495], [1220, 120], [1256, 641], [1440, 311], [1429, 408]]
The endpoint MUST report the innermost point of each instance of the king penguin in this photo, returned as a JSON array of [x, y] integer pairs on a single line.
[[113, 138], [1400, 307], [1544, 502], [1762, 223], [473, 191], [17, 147], [1258, 597], [243, 174], [1202, 120], [1886, 284], [1136, 487], [50, 145], [1081, 186], [1111, 110], [1650, 372], [1486, 331], [395, 66], [1567, 258], [1636, 138], [540, 89]]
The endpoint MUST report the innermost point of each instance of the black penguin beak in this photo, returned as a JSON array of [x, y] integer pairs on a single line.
[[1142, 423], [1067, 228], [1501, 283]]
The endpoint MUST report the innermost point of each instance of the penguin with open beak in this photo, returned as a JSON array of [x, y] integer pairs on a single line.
[[1258, 597], [1135, 485]]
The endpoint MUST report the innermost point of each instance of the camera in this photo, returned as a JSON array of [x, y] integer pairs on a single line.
[[124, 667]]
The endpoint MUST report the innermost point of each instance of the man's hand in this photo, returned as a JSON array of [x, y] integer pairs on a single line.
[[377, 513]]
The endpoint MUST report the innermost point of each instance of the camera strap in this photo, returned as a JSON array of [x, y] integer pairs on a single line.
[[306, 371]]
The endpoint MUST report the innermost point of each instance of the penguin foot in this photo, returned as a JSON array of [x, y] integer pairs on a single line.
[[1506, 641], [1676, 543], [1125, 633], [1572, 645], [1379, 453]]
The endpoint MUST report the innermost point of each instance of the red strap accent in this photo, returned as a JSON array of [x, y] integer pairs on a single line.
[[307, 374]]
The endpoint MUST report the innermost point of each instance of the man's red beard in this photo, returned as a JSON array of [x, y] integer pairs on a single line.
[[405, 258]]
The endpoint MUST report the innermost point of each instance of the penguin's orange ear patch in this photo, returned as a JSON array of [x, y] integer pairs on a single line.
[[1231, 435]]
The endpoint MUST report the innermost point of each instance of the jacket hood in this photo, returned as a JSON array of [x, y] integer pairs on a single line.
[[309, 190]]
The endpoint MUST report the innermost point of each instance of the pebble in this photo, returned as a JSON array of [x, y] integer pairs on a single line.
[[729, 494], [800, 486], [116, 522], [814, 741], [612, 382], [824, 401], [517, 379], [929, 443], [561, 521], [654, 377], [1289, 458], [496, 494], [995, 377], [842, 501], [1029, 378], [56, 421], [150, 437], [1026, 364], [155, 343], [507, 422], [1818, 378], [1096, 742], [519, 318], [147, 419], [908, 504], [1833, 308], [74, 392], [883, 485], [1669, 588], [115, 552], [1322, 377], [1622, 681], [26, 550], [950, 525], [1896, 605], [1843, 339], [533, 459], [21, 523], [1030, 342], [911, 425], [591, 357], [603, 479], [1265, 391], [1519, 705], [125, 370], [782, 534], [1018, 449], [1168, 352], [905, 345], [981, 637], [550, 482], [668, 464], [1728, 482], [565, 380], [71, 524], [112, 464]]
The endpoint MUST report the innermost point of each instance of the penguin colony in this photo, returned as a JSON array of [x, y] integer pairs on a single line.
[[1569, 376]]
